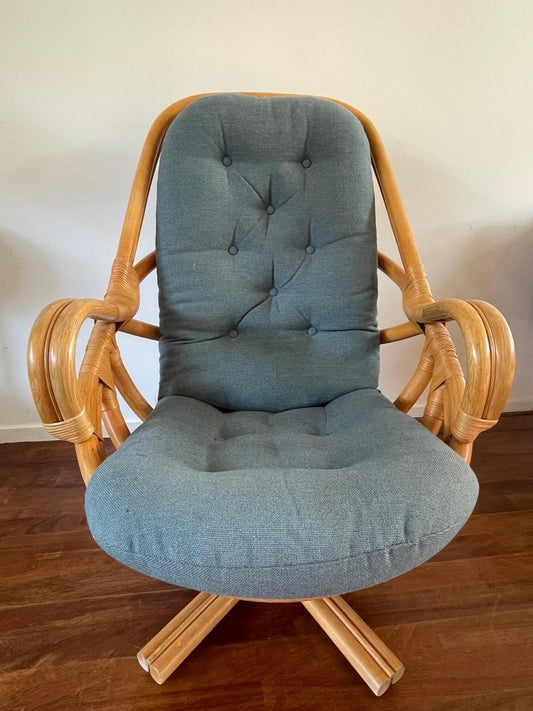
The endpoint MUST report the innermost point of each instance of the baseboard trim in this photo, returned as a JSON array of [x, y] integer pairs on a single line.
[[35, 432]]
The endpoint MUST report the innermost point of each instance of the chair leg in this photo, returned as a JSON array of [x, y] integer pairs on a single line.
[[365, 651], [173, 644]]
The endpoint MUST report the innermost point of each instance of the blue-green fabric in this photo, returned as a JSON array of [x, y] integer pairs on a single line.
[[307, 502], [266, 254]]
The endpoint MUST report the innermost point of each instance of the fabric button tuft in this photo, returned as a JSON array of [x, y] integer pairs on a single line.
[[312, 331], [273, 291], [233, 333], [271, 209], [310, 249], [232, 249], [306, 163], [227, 161]]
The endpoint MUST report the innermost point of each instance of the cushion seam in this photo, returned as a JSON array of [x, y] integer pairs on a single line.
[[393, 546]]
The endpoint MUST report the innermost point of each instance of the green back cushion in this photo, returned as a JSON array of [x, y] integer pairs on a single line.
[[266, 254]]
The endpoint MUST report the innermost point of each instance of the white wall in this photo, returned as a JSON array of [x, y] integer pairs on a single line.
[[448, 83]]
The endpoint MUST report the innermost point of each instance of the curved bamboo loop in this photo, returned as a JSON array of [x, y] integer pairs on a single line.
[[433, 416], [38, 349], [62, 354], [502, 354], [127, 388], [418, 382], [472, 400], [73, 404], [114, 421]]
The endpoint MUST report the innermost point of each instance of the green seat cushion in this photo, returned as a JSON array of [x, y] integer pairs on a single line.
[[307, 502]]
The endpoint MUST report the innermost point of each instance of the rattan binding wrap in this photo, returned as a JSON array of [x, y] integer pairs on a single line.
[[76, 429], [466, 428]]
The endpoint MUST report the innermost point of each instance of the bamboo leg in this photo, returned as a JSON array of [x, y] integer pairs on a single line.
[[369, 639], [370, 657], [173, 644]]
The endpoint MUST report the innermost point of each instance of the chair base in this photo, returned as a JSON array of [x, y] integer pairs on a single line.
[[366, 652]]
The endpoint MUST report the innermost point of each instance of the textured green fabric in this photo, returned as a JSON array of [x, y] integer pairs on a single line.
[[307, 502], [266, 254]]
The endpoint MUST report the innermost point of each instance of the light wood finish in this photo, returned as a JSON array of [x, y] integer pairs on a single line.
[[172, 645], [72, 405], [372, 673], [366, 652], [127, 387], [142, 329], [418, 381], [368, 638], [152, 649], [409, 329]]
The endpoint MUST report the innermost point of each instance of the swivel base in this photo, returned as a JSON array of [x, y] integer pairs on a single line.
[[366, 652]]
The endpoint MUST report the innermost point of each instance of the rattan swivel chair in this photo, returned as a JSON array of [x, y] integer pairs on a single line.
[[271, 467]]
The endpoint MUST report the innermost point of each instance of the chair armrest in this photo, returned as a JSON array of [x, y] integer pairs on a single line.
[[490, 361], [52, 350], [71, 406], [51, 364]]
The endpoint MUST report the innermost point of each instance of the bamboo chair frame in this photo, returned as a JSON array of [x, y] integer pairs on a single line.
[[73, 405]]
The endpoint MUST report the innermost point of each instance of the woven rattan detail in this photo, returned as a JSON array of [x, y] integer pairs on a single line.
[[416, 289], [466, 428], [76, 429], [123, 286]]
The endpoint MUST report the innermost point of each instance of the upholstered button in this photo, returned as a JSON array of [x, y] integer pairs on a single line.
[[312, 331], [227, 161], [233, 333], [232, 249], [273, 291], [306, 163], [271, 209], [310, 249]]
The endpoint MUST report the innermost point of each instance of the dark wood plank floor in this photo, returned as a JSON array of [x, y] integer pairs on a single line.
[[72, 619]]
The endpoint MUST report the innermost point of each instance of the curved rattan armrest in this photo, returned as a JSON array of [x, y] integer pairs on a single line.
[[51, 363], [52, 350], [70, 406], [490, 361]]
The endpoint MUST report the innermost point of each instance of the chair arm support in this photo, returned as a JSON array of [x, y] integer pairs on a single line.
[[51, 364], [490, 360], [52, 351]]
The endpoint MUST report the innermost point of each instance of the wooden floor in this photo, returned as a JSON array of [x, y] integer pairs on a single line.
[[72, 619]]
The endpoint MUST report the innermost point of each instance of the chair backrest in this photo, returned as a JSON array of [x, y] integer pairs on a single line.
[[266, 253]]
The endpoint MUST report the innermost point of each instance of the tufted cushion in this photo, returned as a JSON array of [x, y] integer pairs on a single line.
[[266, 254], [308, 502]]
